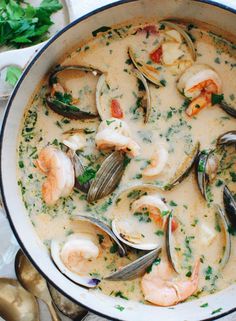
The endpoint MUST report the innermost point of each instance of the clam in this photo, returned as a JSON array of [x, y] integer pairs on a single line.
[[183, 34], [103, 112], [170, 251], [144, 69], [224, 223], [148, 107], [184, 169], [57, 246], [79, 170], [107, 177], [139, 213], [230, 206], [228, 108], [136, 268], [227, 138], [105, 228], [206, 170], [66, 101], [88, 246]]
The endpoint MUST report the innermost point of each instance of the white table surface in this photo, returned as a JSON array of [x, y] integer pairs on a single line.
[[83, 7]]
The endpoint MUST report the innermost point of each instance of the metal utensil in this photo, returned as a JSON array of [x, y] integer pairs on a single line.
[[32, 281], [17, 304], [66, 306]]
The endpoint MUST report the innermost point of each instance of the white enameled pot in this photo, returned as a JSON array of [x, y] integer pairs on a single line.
[[207, 11]]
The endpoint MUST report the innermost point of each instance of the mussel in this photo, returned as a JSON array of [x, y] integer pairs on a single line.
[[227, 138], [136, 268], [228, 108], [225, 225], [143, 68], [184, 169], [107, 177], [183, 34], [206, 170], [230, 206], [136, 221], [62, 101], [170, 250], [148, 107], [86, 243]]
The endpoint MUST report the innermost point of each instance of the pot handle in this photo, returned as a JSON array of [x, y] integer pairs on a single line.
[[18, 57]]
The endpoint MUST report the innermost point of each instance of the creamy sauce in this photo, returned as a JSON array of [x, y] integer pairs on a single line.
[[168, 125]]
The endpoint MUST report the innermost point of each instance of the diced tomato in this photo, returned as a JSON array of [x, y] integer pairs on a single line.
[[174, 224], [116, 110], [156, 55], [150, 29]]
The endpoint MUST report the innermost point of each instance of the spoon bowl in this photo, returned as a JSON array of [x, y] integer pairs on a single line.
[[32, 281], [17, 304]]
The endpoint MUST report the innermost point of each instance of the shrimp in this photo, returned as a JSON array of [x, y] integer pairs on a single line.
[[154, 205], [161, 289], [76, 252], [58, 168], [114, 133], [198, 83], [158, 162]]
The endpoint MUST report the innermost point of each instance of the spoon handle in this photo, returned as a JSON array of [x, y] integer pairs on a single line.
[[53, 312]]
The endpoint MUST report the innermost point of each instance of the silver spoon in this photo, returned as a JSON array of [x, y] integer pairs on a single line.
[[17, 304], [32, 281]]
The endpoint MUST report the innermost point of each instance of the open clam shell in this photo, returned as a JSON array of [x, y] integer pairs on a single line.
[[143, 69], [136, 268], [230, 206], [103, 111], [107, 177], [184, 169], [148, 107], [64, 104], [138, 228], [79, 170], [106, 229], [206, 170], [184, 35], [87, 282], [227, 138], [170, 251], [224, 223]]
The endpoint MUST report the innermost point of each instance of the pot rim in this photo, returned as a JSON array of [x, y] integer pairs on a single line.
[[4, 122]]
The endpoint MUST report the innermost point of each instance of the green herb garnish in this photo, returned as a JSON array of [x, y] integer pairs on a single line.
[[22, 24]]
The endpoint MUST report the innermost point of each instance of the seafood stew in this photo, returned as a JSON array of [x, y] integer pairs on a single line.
[[127, 162]]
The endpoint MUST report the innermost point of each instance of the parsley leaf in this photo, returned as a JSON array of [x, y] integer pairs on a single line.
[[88, 174], [216, 99], [21, 23], [12, 75]]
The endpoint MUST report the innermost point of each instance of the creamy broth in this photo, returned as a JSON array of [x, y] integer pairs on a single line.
[[168, 125]]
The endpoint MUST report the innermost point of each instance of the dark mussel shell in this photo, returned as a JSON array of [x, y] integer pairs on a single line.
[[69, 110], [229, 109], [230, 206], [227, 138]]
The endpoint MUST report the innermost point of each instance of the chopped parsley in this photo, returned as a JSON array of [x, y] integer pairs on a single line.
[[157, 261], [101, 29], [216, 99], [204, 305], [88, 174]]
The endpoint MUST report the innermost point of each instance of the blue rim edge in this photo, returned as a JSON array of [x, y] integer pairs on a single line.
[[5, 117]]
